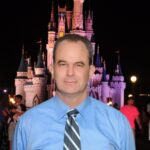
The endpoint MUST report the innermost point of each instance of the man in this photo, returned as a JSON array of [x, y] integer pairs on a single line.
[[72, 120], [21, 108], [132, 114], [15, 113]]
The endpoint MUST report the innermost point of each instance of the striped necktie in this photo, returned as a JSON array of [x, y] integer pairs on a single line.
[[72, 135]]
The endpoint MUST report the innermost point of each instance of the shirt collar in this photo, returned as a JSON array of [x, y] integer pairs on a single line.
[[83, 106], [62, 108]]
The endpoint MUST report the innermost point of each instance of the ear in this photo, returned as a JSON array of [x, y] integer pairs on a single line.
[[92, 70]]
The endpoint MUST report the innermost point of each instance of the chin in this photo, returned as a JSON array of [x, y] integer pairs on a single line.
[[69, 92]]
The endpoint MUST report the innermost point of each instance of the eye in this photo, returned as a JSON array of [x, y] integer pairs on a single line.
[[62, 64], [80, 65]]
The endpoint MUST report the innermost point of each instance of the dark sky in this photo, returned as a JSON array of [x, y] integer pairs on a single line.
[[118, 25]]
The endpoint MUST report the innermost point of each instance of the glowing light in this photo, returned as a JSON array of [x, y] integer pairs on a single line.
[[133, 79], [11, 100], [130, 95], [5, 90]]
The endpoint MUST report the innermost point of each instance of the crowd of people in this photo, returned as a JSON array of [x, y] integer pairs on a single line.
[[9, 117]]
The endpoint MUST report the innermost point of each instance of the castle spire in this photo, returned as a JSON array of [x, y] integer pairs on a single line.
[[52, 12], [104, 78], [40, 60], [118, 70], [98, 59], [23, 64], [51, 25], [61, 24]]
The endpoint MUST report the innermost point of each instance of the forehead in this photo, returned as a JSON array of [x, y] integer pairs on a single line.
[[72, 49]]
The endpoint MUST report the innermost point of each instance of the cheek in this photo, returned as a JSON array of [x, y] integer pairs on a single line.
[[84, 76]]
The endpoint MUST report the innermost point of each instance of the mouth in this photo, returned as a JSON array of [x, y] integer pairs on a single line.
[[70, 82]]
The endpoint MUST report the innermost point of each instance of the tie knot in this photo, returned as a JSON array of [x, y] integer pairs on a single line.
[[72, 113]]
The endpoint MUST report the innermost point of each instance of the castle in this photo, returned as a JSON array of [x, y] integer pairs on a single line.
[[34, 83]]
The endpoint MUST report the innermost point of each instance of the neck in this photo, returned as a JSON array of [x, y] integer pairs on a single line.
[[72, 100]]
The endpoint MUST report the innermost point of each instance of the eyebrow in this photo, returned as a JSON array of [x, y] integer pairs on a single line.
[[61, 61], [78, 62]]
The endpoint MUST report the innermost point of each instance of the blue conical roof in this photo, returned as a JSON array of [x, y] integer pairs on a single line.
[[118, 70], [23, 63], [98, 59], [40, 59], [104, 78]]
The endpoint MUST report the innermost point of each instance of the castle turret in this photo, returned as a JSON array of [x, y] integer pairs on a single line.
[[89, 24], [21, 76], [39, 80], [69, 8], [61, 24], [93, 44], [29, 69], [105, 89], [51, 38], [98, 65], [77, 20], [118, 84]]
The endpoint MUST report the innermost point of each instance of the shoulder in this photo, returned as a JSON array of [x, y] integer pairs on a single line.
[[135, 109], [109, 119], [101, 106], [40, 110], [123, 108], [105, 111]]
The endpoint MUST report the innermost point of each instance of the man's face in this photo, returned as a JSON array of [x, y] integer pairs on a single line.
[[71, 68], [131, 102], [17, 100]]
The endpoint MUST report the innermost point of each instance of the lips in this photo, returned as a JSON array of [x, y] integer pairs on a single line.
[[70, 82]]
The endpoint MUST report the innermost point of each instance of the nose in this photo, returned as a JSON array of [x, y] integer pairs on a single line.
[[70, 70]]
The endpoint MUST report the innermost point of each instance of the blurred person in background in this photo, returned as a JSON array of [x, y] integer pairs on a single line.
[[132, 114]]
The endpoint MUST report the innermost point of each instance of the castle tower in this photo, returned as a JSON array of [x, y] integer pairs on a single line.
[[28, 86], [98, 64], [95, 82], [29, 69], [77, 20], [93, 46], [29, 93], [89, 24], [105, 89], [69, 14], [51, 39], [21, 76], [118, 84], [61, 22], [39, 80]]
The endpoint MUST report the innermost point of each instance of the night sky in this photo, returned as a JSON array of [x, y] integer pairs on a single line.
[[118, 25]]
